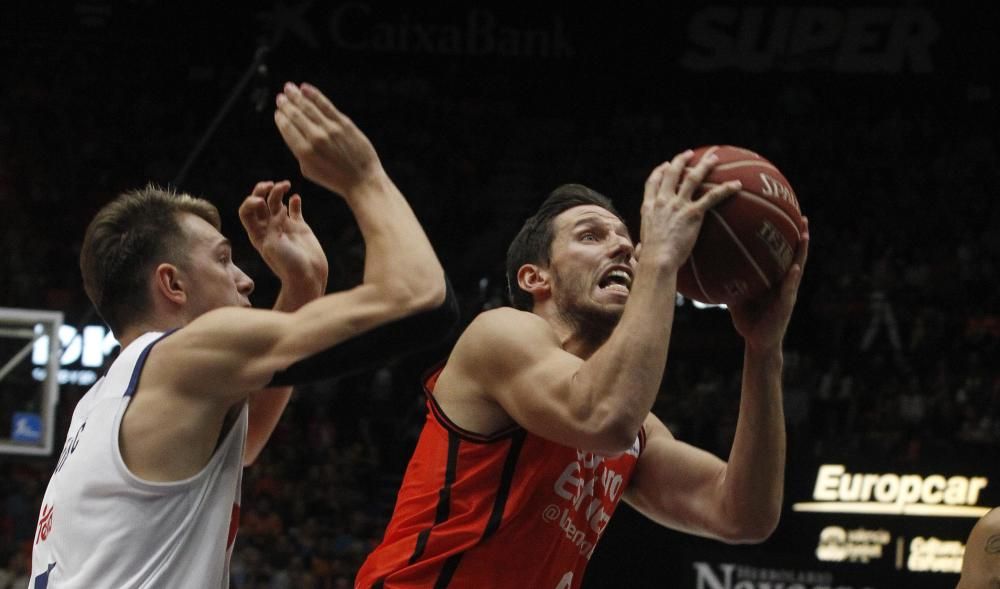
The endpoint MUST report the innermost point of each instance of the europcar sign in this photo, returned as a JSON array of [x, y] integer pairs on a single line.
[[907, 494], [861, 523]]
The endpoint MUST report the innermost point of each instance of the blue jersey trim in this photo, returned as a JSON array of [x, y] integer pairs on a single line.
[[133, 382]]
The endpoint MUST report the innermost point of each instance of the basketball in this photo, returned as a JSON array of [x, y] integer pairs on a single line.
[[748, 241]]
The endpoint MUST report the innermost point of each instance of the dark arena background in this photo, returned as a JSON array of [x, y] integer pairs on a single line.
[[882, 116]]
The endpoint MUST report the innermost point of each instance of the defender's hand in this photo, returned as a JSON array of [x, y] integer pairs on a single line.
[[283, 238], [331, 150]]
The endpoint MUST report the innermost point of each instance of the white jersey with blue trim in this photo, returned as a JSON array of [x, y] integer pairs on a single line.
[[102, 526]]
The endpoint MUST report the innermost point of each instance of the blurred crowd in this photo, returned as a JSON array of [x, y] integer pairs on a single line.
[[892, 350]]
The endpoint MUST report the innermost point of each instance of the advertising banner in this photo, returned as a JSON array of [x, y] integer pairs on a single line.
[[851, 524]]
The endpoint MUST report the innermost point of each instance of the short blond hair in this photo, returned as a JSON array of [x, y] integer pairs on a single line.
[[127, 238]]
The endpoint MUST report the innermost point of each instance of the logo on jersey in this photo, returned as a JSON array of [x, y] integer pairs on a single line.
[[44, 523], [589, 489], [70, 446]]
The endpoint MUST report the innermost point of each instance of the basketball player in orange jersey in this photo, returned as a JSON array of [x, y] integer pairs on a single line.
[[540, 422], [147, 490], [981, 563]]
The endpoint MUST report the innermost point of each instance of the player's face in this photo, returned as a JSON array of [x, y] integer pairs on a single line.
[[592, 262], [214, 280]]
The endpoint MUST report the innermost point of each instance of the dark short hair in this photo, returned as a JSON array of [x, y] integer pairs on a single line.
[[126, 239], [533, 243]]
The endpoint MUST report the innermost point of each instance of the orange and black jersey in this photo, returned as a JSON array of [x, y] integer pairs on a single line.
[[507, 511]]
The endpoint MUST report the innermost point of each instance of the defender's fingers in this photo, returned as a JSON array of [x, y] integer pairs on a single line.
[[304, 104], [276, 195], [293, 137], [295, 116], [262, 188], [322, 103], [253, 210], [295, 207]]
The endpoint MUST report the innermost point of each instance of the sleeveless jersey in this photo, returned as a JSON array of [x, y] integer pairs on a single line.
[[507, 511], [102, 526]]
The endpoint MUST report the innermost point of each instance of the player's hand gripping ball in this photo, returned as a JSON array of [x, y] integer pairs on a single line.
[[748, 241]]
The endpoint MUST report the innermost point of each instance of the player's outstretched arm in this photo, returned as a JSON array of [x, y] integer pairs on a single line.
[[402, 273], [287, 244], [398, 253], [223, 356]]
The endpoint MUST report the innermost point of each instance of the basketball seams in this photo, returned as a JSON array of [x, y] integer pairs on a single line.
[[743, 249], [766, 202], [697, 279], [746, 164], [765, 195]]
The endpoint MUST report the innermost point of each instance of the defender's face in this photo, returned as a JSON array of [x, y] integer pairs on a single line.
[[214, 281], [592, 261]]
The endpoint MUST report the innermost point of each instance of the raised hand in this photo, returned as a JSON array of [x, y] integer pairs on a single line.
[[331, 150], [671, 217], [283, 238], [762, 322]]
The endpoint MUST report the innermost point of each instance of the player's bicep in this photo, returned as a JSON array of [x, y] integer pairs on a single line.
[[385, 343], [230, 352], [517, 360], [538, 395], [221, 354]]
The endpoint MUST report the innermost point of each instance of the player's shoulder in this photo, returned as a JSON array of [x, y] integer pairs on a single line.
[[497, 344], [225, 326], [223, 352], [229, 318], [986, 532], [980, 564], [501, 334], [502, 316], [508, 322], [990, 522]]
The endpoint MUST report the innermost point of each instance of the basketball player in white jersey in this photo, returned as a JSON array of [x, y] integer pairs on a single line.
[[146, 492]]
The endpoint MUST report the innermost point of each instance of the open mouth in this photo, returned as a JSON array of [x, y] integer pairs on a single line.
[[617, 281]]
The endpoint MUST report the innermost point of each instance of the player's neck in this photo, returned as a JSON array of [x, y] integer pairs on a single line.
[[127, 337], [134, 332], [577, 336], [581, 345]]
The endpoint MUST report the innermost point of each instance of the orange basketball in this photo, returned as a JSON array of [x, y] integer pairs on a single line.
[[748, 241]]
